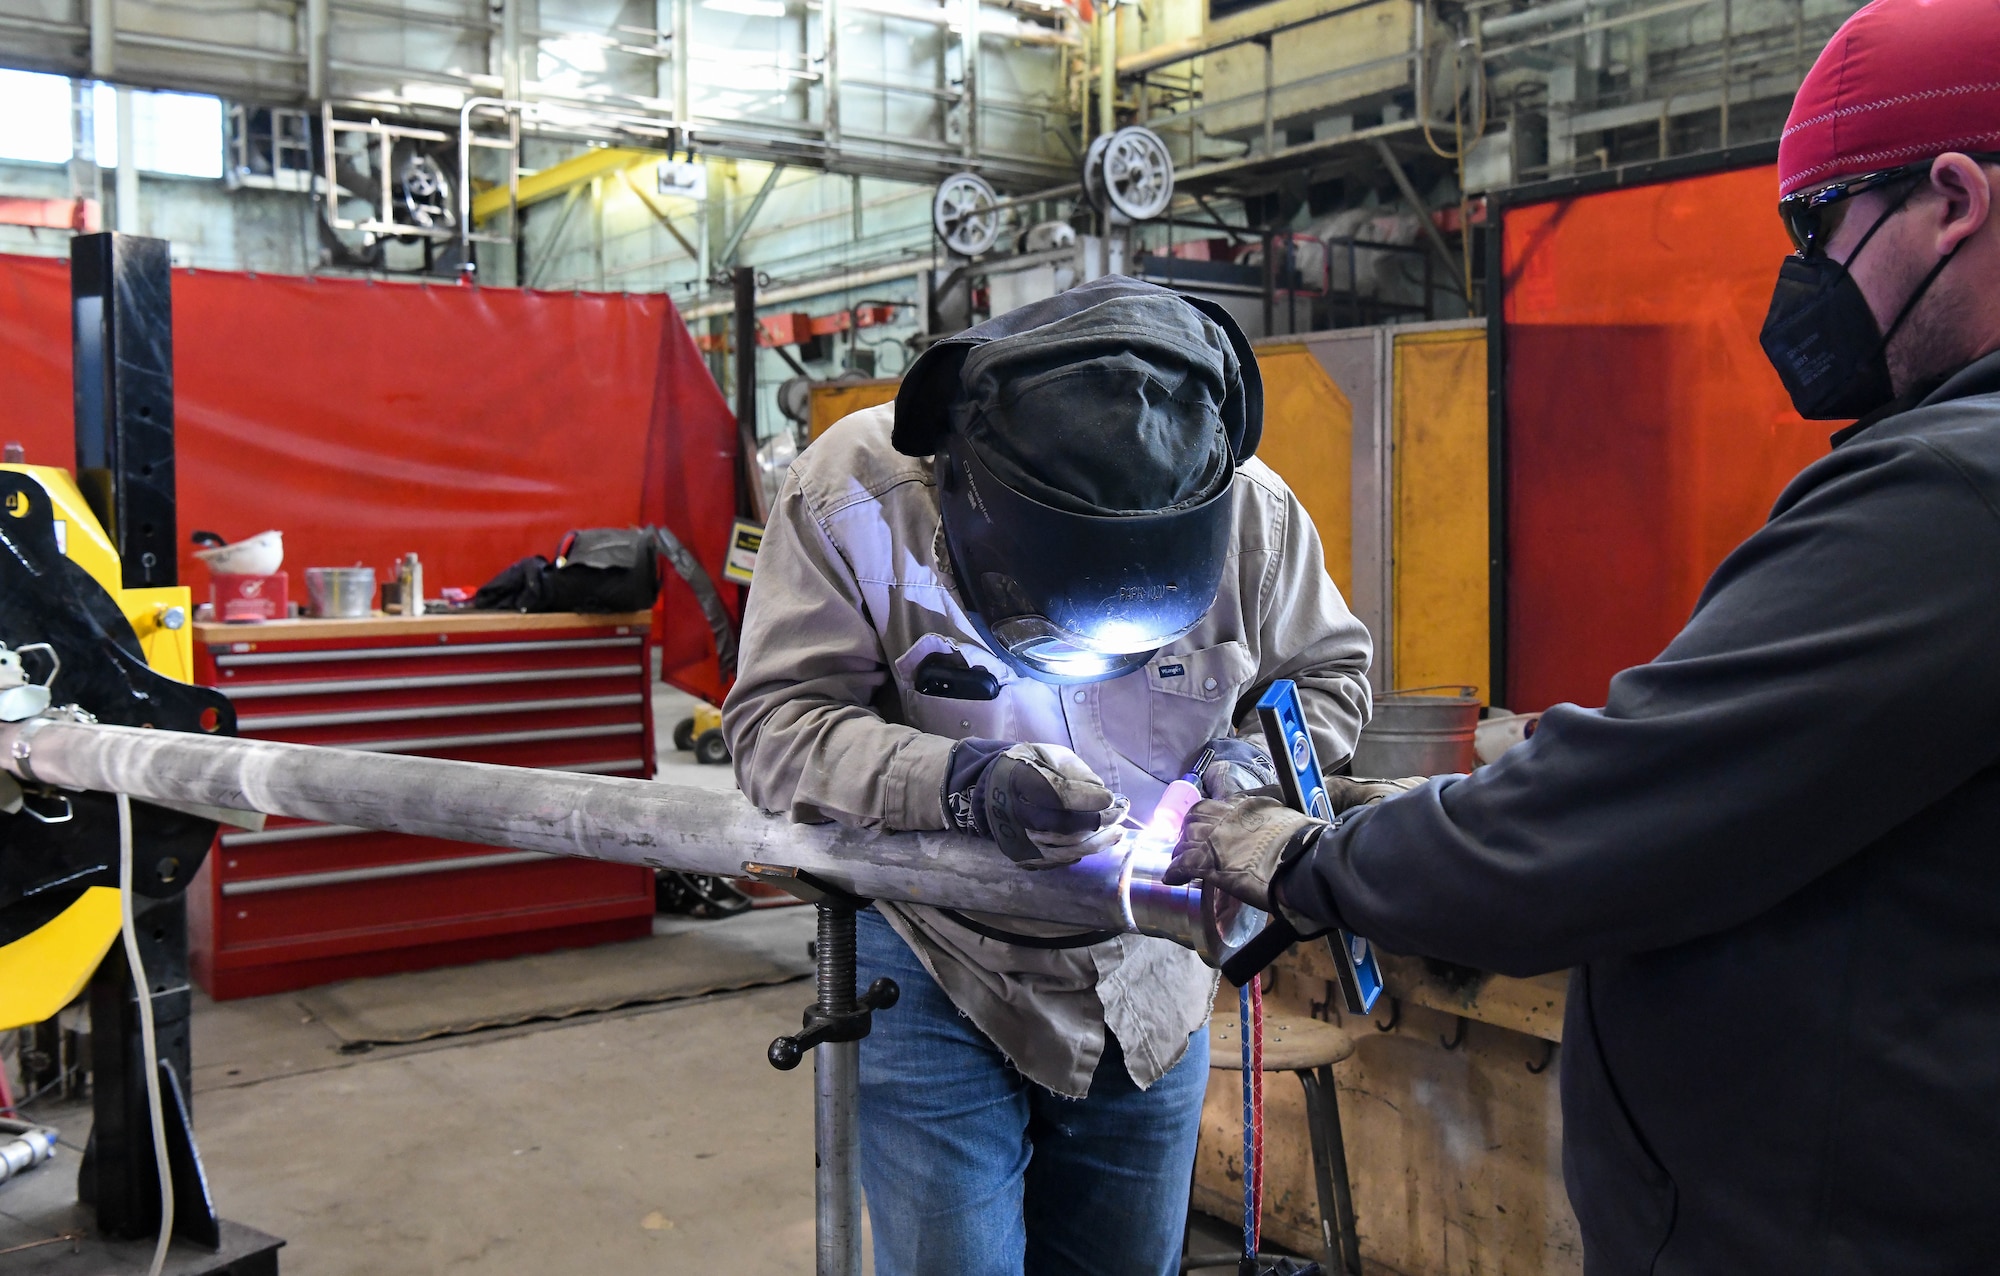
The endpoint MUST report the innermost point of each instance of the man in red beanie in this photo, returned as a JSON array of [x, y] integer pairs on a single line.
[[1773, 858]]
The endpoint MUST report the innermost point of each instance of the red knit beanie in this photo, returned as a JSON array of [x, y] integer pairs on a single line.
[[1900, 81]]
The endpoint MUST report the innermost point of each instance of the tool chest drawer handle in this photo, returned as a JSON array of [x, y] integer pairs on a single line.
[[418, 682], [354, 717], [239, 659], [380, 872]]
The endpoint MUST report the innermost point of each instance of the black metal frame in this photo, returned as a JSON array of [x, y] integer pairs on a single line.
[[121, 310], [1649, 173]]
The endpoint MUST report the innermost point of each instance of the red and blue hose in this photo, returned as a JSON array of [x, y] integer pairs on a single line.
[[1250, 1020]]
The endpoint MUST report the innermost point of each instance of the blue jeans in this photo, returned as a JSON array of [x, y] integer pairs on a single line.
[[973, 1170]]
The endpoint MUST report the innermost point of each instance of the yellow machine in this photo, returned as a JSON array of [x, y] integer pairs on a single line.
[[703, 734], [42, 972]]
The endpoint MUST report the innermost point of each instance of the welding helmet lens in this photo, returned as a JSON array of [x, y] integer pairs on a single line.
[[1069, 597]]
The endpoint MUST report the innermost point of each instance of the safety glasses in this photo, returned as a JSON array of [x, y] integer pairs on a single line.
[[1804, 213]]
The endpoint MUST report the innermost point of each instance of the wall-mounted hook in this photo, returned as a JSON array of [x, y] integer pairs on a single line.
[[1538, 1067], [1395, 1016], [1457, 1036]]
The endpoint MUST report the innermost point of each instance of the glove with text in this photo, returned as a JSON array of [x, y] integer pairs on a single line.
[[1040, 803]]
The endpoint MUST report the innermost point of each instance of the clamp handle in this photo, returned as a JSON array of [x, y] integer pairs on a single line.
[[821, 1028]]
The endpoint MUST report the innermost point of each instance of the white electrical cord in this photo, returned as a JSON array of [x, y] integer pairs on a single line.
[[148, 1047]]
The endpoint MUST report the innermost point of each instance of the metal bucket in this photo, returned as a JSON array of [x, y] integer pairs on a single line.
[[341, 591], [1421, 731]]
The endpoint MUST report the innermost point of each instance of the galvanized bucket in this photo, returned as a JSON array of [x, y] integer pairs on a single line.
[[1419, 731]]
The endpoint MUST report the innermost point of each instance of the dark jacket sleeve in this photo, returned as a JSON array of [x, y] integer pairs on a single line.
[[1840, 674]]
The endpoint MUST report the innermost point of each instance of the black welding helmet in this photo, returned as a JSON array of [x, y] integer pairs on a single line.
[[1085, 450]]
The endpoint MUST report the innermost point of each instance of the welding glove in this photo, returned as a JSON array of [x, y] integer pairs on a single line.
[[1239, 844], [1040, 803], [1347, 792], [1235, 765], [1242, 843]]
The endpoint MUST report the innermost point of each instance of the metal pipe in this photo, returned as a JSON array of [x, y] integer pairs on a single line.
[[914, 267], [1529, 19], [1416, 203], [512, 106], [1140, 64], [836, 1102], [24, 1145], [837, 1156], [610, 818], [1590, 25], [749, 217]]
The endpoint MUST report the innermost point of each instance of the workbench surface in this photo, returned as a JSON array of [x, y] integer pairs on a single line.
[[382, 625]]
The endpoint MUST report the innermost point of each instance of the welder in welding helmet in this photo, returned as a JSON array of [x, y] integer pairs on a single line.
[[1084, 467], [1017, 604]]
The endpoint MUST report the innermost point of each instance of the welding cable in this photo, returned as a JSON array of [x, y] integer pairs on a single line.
[[1257, 1106], [148, 1045]]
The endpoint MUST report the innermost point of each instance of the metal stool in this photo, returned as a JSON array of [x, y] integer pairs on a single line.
[[1308, 1049]]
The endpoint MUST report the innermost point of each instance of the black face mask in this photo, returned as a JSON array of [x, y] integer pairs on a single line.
[[1823, 339]]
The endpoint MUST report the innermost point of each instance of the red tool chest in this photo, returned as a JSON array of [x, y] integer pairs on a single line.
[[301, 903]]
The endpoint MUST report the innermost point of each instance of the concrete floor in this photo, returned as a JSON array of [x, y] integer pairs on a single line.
[[643, 1141]]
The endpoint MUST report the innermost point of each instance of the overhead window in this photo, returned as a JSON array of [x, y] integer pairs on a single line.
[[177, 133], [36, 109]]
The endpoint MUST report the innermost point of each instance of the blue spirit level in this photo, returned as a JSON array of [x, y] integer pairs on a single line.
[[1299, 778]]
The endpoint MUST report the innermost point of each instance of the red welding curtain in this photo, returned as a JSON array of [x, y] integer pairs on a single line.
[[1646, 434], [364, 420]]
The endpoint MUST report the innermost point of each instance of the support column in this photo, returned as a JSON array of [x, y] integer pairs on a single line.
[[829, 19], [1107, 69], [318, 21], [510, 50], [1270, 94], [597, 230], [86, 179], [969, 95], [745, 343], [683, 51], [103, 39], [122, 334]]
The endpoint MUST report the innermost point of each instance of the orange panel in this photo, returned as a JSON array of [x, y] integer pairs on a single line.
[[1646, 433], [1309, 440], [832, 400]]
